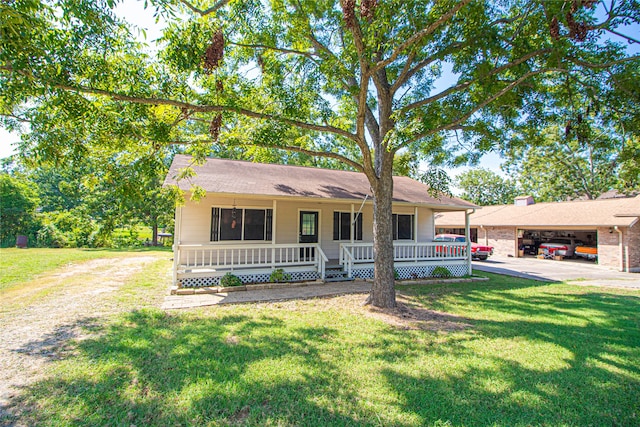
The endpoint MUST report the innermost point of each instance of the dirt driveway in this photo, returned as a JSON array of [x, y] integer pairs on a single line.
[[38, 319], [578, 272]]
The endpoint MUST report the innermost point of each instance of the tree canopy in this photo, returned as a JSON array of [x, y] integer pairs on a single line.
[[355, 81], [484, 187], [585, 140]]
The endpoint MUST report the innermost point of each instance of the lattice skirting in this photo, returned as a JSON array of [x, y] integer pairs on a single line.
[[247, 279], [413, 272]]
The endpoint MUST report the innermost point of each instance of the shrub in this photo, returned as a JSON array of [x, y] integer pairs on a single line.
[[66, 229], [278, 275], [441, 272], [229, 280], [50, 237], [18, 202]]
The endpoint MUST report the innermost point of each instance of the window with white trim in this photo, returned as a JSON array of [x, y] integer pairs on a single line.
[[342, 226], [402, 227], [228, 224]]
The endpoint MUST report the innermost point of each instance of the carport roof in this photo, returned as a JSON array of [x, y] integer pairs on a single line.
[[580, 213], [235, 177]]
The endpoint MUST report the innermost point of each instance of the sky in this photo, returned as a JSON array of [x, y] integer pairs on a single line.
[[135, 13]]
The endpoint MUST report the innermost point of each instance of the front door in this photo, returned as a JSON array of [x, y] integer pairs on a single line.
[[308, 233]]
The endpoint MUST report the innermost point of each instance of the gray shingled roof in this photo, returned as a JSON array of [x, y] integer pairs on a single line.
[[222, 176], [578, 213]]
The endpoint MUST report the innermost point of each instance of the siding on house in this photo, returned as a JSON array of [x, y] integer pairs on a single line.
[[288, 190], [195, 227]]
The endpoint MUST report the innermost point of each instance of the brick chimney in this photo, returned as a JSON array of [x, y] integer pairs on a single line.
[[524, 201]]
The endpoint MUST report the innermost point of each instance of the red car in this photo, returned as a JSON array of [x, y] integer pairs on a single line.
[[478, 251]]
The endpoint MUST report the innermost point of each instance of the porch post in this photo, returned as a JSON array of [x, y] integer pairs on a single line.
[[353, 224], [274, 222], [176, 243], [415, 234], [467, 214], [621, 249]]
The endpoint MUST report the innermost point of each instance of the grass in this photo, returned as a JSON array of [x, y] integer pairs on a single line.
[[514, 352], [22, 265]]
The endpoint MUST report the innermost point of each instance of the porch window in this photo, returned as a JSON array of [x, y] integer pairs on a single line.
[[402, 227], [241, 224], [342, 226]]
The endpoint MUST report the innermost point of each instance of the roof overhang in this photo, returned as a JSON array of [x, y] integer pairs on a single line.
[[327, 200]]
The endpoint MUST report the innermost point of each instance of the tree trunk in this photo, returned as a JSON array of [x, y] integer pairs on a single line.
[[154, 227], [383, 292]]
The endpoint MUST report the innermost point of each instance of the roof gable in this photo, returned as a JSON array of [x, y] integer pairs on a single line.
[[223, 176]]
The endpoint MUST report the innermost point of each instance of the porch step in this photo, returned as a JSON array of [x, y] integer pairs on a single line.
[[335, 273], [338, 279]]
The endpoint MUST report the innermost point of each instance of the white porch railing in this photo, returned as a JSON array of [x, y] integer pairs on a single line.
[[247, 257], [362, 253]]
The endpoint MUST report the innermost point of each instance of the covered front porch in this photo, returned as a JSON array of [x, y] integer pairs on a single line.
[[197, 265]]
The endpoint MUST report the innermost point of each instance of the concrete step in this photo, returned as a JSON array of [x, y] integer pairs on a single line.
[[338, 279]]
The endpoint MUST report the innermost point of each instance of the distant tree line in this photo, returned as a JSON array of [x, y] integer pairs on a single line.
[[85, 202]]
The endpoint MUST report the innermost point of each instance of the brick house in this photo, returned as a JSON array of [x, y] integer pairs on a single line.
[[611, 225]]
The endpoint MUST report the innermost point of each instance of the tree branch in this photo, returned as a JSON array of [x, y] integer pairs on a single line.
[[629, 38], [277, 49], [219, 5], [207, 109], [461, 119], [409, 72], [420, 34], [18, 118], [466, 84], [347, 85], [314, 153], [609, 64]]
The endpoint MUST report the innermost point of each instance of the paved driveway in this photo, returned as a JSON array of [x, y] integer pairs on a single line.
[[577, 272]]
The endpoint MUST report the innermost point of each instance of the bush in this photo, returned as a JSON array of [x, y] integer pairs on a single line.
[[50, 237], [126, 238], [229, 280], [18, 202], [278, 275], [66, 229], [441, 272]]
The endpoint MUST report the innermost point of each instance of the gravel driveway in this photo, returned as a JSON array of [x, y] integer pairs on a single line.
[[38, 319]]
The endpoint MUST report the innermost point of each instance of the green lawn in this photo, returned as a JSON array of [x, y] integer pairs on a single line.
[[21, 265], [507, 352]]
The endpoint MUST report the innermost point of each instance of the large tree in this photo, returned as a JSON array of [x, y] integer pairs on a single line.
[[360, 82], [485, 187], [584, 141]]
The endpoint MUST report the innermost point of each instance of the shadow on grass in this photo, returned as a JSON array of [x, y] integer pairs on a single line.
[[152, 368], [542, 355], [532, 356]]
